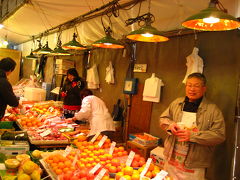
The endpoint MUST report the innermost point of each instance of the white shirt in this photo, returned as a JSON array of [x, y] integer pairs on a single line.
[[194, 64], [95, 110], [93, 78], [152, 89]]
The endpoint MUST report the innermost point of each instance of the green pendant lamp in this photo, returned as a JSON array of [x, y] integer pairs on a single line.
[[108, 41], [45, 49], [74, 44], [38, 49], [59, 51], [212, 19], [147, 34], [31, 56]]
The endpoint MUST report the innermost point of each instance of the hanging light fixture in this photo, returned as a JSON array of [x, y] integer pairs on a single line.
[[108, 41], [31, 56], [59, 50], [74, 44], [147, 33], [45, 49], [35, 52], [212, 19]]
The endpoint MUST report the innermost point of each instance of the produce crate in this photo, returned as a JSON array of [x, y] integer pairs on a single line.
[[150, 141], [14, 147], [6, 125], [144, 151]]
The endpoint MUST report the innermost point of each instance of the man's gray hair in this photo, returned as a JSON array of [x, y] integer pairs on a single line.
[[199, 76]]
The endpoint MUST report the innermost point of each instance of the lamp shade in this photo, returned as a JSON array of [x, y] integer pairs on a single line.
[[73, 44], [147, 34], [38, 49], [211, 19], [60, 51], [45, 49], [108, 42], [31, 56]]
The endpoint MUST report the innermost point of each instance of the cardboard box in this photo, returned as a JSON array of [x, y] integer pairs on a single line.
[[139, 149], [157, 156], [135, 138], [10, 148]]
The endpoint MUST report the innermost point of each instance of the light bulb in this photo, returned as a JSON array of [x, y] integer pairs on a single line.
[[211, 20], [147, 35], [5, 43], [107, 44]]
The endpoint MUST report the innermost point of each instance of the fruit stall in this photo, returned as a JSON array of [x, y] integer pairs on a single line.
[[46, 146]]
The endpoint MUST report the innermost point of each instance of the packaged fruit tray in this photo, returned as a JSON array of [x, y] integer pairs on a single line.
[[144, 139]]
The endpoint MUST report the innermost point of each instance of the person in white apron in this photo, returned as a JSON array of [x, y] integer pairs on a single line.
[[194, 127], [96, 113]]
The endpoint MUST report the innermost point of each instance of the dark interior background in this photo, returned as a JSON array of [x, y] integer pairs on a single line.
[[220, 53]]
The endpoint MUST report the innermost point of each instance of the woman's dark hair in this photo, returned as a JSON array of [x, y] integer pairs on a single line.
[[7, 64], [73, 72], [198, 76], [85, 92]]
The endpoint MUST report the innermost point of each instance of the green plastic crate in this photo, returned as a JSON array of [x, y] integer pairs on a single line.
[[6, 125]]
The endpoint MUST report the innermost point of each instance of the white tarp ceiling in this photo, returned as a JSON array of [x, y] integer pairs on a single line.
[[40, 15]]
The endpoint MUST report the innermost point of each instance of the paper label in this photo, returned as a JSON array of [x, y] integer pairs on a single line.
[[149, 161], [100, 174], [67, 151], [75, 160], [101, 142], [130, 158], [161, 175], [95, 168], [45, 133], [112, 147], [122, 178], [95, 137], [2, 167], [39, 116]]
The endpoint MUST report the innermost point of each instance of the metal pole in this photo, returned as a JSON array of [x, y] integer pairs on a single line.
[[235, 172]]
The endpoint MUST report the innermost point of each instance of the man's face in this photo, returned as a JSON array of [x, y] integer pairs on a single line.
[[194, 89]]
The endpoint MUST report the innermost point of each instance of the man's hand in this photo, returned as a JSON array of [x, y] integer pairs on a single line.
[[183, 135], [174, 128]]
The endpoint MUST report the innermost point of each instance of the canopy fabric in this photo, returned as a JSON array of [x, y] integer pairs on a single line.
[[40, 15]]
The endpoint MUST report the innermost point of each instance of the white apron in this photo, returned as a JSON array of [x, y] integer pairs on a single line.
[[175, 166]]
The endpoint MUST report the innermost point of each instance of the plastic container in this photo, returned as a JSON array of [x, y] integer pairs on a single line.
[[34, 94], [6, 125]]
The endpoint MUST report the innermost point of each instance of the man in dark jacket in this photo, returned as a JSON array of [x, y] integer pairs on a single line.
[[7, 97]]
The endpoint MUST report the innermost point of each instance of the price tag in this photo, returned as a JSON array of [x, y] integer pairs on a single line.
[[75, 160], [39, 116], [95, 137], [67, 151], [40, 130], [100, 174], [122, 178], [50, 109], [130, 158], [45, 133], [112, 147], [161, 175], [101, 142], [95, 168], [146, 167]]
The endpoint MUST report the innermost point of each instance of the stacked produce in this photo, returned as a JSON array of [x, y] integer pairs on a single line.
[[24, 167]]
